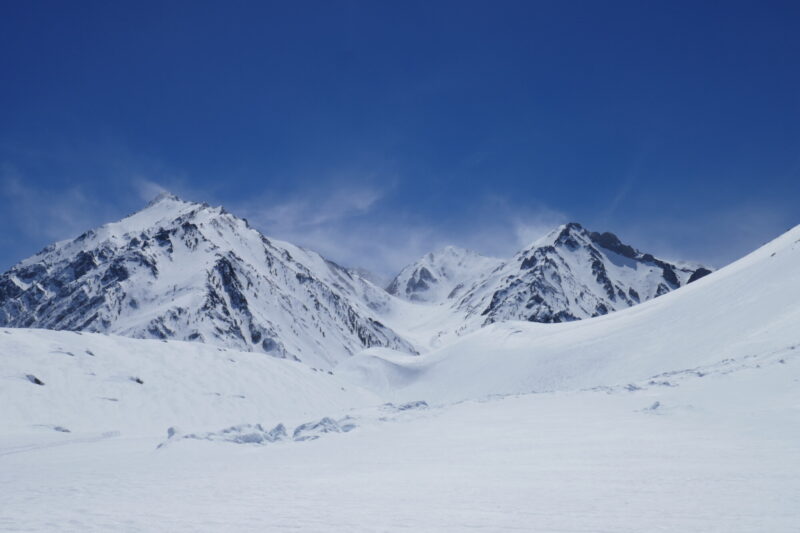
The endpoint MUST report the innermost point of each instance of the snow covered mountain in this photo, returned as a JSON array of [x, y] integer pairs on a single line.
[[187, 271], [745, 315], [689, 399], [440, 275], [571, 274]]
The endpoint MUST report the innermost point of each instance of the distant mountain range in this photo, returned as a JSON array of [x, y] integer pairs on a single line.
[[569, 274], [188, 271]]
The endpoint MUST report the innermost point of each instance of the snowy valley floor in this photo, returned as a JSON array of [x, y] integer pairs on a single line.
[[717, 452]]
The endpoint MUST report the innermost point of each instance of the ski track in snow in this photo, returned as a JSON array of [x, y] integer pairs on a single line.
[[43, 446]]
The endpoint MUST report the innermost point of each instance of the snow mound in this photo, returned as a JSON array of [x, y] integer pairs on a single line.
[[379, 369], [419, 404], [241, 434], [258, 435], [314, 430]]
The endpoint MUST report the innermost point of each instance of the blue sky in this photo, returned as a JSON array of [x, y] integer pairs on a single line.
[[376, 131]]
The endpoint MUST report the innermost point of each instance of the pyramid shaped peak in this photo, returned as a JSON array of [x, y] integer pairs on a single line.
[[561, 234], [573, 226], [165, 196]]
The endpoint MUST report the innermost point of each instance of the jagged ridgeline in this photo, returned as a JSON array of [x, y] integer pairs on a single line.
[[187, 271], [570, 274]]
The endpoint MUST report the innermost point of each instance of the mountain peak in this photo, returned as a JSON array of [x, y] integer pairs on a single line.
[[563, 234], [439, 275], [165, 195], [573, 273], [573, 226], [188, 271]]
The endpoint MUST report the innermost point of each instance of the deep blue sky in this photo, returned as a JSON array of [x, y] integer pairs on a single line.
[[374, 131]]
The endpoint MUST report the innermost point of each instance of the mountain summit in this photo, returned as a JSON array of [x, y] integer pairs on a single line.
[[569, 274], [187, 271], [573, 273]]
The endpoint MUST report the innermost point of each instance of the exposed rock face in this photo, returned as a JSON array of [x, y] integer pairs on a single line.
[[569, 274], [699, 273], [186, 271], [572, 274]]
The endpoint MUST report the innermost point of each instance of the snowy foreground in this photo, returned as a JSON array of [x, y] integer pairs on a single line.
[[714, 453], [680, 414]]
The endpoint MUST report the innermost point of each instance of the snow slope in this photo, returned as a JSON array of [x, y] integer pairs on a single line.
[[719, 453], [94, 384], [681, 414], [187, 271], [750, 308]]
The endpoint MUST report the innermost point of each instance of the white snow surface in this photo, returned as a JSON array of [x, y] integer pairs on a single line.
[[718, 453], [679, 414], [90, 385]]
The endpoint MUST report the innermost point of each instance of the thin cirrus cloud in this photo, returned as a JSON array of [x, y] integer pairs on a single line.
[[713, 238], [350, 225], [359, 226], [42, 213], [353, 225], [310, 210]]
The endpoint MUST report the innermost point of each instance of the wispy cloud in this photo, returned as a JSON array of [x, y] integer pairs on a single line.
[[147, 189], [145, 186], [355, 221], [43, 213], [713, 237], [309, 210], [343, 223], [628, 183], [516, 226], [57, 193], [361, 226]]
